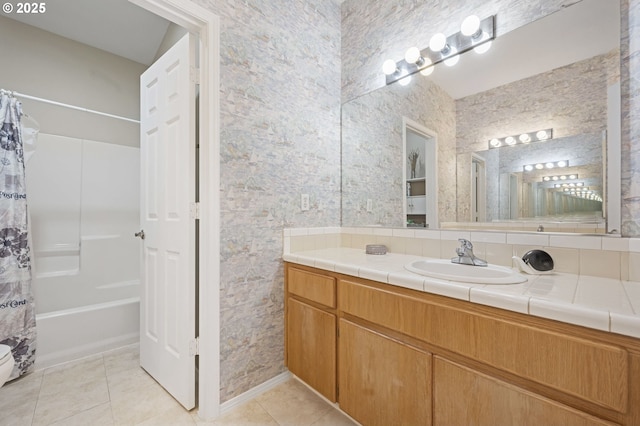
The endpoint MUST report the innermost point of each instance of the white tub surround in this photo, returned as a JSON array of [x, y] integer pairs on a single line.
[[607, 304], [86, 260], [71, 334]]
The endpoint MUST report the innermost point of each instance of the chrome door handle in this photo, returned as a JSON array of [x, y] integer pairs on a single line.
[[140, 234]]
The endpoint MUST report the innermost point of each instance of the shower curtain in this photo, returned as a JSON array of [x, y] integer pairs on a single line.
[[17, 310]]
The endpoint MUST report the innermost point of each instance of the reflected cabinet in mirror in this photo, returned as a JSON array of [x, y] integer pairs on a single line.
[[490, 167]]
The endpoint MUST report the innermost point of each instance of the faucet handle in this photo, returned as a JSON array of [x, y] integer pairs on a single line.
[[465, 243]]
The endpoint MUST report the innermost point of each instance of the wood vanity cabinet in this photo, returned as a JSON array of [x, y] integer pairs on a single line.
[[412, 358], [382, 381], [311, 333], [463, 396]]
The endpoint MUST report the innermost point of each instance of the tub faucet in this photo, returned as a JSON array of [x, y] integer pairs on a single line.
[[466, 256]]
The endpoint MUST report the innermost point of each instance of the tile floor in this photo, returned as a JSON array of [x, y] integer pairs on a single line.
[[111, 389]]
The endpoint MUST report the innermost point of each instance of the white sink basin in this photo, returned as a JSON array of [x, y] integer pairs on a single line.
[[445, 270]]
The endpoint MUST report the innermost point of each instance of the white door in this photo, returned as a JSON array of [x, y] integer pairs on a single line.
[[168, 271]]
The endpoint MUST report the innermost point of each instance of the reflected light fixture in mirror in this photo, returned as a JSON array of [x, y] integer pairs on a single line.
[[545, 165], [474, 34], [523, 138], [559, 177], [471, 28], [570, 185]]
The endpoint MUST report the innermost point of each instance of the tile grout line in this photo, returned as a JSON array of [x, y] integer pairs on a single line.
[[35, 406]]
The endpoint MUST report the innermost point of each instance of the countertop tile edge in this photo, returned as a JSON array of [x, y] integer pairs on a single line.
[[509, 302], [592, 317], [628, 325], [569, 313]]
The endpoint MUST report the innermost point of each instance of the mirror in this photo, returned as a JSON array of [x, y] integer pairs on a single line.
[[553, 73]]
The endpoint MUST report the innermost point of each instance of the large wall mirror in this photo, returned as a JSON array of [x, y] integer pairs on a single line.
[[556, 73]]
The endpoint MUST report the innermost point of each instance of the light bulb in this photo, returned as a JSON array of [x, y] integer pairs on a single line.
[[562, 164], [494, 143], [563, 177], [573, 177], [525, 138], [555, 178], [549, 165], [428, 67], [542, 135], [452, 60], [546, 178], [470, 26], [528, 167], [580, 184], [389, 67], [405, 80], [539, 166], [438, 42], [510, 140], [412, 56], [483, 48]]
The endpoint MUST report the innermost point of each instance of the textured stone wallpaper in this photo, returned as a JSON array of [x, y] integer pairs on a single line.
[[630, 88], [280, 137]]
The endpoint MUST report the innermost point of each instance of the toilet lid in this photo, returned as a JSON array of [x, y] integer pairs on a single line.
[[5, 353]]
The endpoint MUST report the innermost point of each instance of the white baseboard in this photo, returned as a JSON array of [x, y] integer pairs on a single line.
[[254, 392]]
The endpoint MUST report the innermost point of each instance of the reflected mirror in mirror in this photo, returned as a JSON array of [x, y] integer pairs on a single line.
[[555, 73]]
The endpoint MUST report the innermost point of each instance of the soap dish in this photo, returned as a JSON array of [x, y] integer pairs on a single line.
[[376, 249]]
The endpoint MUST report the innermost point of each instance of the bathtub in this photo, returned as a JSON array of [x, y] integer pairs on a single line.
[[86, 263], [78, 332]]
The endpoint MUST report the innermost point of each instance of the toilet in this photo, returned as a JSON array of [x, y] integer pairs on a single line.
[[6, 363]]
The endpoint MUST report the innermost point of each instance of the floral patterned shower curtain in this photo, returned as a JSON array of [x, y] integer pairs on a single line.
[[17, 310]]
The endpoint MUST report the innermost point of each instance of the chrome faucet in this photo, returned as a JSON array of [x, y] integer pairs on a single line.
[[466, 256]]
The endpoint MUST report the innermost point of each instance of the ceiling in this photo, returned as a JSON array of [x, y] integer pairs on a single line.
[[117, 26]]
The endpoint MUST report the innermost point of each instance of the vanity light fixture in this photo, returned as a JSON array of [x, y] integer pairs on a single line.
[[474, 34], [523, 138], [585, 193], [574, 191], [389, 67], [562, 178], [573, 188], [413, 56], [568, 185], [550, 165], [471, 27]]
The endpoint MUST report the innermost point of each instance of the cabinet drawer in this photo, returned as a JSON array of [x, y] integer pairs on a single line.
[[593, 371], [311, 286], [462, 396]]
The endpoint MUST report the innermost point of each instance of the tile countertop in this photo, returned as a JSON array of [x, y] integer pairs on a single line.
[[599, 303]]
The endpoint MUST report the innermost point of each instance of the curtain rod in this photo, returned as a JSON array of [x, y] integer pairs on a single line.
[[47, 101]]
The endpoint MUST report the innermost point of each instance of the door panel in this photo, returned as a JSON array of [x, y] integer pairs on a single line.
[[167, 307]]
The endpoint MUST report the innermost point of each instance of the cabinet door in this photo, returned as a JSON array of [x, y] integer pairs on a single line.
[[465, 397], [311, 346], [417, 205], [382, 382]]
